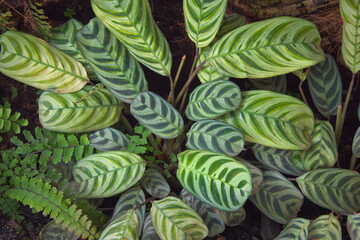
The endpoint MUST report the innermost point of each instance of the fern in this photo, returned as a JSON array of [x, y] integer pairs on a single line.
[[5, 22], [10, 123], [37, 19], [10, 207]]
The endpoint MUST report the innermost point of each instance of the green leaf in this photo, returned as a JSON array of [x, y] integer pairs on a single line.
[[350, 48], [155, 184], [148, 232], [208, 72], [325, 227], [356, 144], [353, 226], [214, 178], [277, 197], [107, 174], [115, 67], [229, 23], [157, 115], [267, 48], [22, 58], [173, 219], [256, 174], [132, 23], [215, 136], [213, 99], [109, 139], [331, 188], [52, 230], [62, 113], [275, 84], [234, 218], [203, 19], [296, 229], [273, 119]]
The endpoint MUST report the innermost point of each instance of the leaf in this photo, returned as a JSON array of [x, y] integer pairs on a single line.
[[22, 58], [203, 19], [273, 119], [155, 184], [275, 84], [215, 136], [277, 197], [234, 218], [269, 229], [173, 219], [256, 174], [107, 174], [208, 72], [296, 229], [213, 99], [331, 188], [356, 144], [214, 178], [109, 139], [267, 48], [52, 230], [349, 10], [325, 227], [149, 232], [132, 23], [353, 226], [157, 115], [60, 112], [229, 23], [115, 67]]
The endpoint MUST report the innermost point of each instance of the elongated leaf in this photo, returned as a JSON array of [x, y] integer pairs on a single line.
[[212, 220], [256, 174], [277, 197], [215, 136], [267, 48], [325, 86], [230, 22], [155, 184], [124, 227], [353, 226], [335, 189], [157, 115], [275, 84], [107, 174], [173, 219], [52, 231], [273, 119], [22, 58], [109, 139], [132, 23], [232, 218], [214, 178], [149, 232], [113, 64], [356, 144], [208, 72], [325, 227], [60, 112], [350, 46], [213, 99], [296, 229]]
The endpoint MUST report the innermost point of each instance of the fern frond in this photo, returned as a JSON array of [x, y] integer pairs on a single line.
[[10, 123], [5, 22], [10, 208], [37, 19]]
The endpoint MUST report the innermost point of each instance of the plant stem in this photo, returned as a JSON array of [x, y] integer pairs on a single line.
[[347, 99], [352, 162], [194, 62], [338, 123], [154, 165], [144, 203], [177, 76], [182, 105], [171, 95], [302, 92], [126, 124]]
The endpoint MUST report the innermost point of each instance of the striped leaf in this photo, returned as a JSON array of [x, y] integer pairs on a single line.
[[212, 220], [323, 152], [276, 159], [52, 230], [148, 232], [215, 136], [353, 226], [275, 84], [208, 72], [107, 174], [325, 86], [132, 23], [229, 23], [232, 218], [155, 184], [273, 119], [356, 144], [124, 227], [296, 229], [350, 45], [113, 64], [203, 19], [331, 188], [277, 197], [256, 174], [157, 115], [60, 112], [213, 99], [173, 219], [63, 37], [267, 48], [325, 227], [33, 61], [109, 139], [214, 178]]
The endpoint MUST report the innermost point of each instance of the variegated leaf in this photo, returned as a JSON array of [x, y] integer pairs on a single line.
[[132, 23], [113, 64], [52, 231], [325, 227], [208, 72], [267, 48], [273, 119], [256, 174], [62, 112], [213, 99], [275, 84], [35, 62], [155, 184], [157, 115], [107, 174], [332, 188], [232, 218], [148, 232], [214, 178], [173, 219], [109, 139], [356, 144], [296, 229], [215, 136], [353, 226]]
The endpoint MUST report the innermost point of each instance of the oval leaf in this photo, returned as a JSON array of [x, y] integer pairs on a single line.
[[232, 218], [325, 227], [155, 184], [356, 144], [296, 229], [52, 231], [353, 226], [107, 174], [149, 232], [256, 174], [109, 139], [275, 84]]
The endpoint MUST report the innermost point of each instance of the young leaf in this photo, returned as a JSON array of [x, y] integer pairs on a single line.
[[353, 226], [325, 227], [296, 229], [155, 184], [109, 139], [275, 84]]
